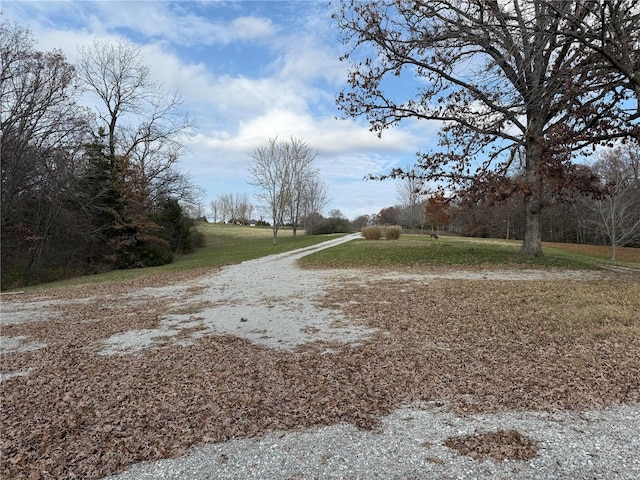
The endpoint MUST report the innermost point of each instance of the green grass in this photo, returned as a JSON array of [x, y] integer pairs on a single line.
[[415, 250], [225, 245], [230, 244]]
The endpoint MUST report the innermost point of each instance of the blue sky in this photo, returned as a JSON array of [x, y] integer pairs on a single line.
[[248, 71]]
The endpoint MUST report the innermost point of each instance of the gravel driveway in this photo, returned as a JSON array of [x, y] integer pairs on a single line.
[[272, 303]]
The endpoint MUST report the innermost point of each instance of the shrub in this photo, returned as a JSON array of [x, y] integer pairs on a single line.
[[393, 233], [372, 233]]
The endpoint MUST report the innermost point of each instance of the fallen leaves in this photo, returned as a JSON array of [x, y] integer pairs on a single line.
[[501, 445], [480, 346]]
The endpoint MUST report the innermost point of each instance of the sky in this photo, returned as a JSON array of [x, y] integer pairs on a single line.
[[247, 71]]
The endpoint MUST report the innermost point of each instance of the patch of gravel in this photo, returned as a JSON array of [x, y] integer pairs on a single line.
[[267, 301], [19, 344], [15, 312], [410, 445]]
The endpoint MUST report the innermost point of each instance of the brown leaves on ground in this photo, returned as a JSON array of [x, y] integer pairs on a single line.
[[501, 445], [478, 345]]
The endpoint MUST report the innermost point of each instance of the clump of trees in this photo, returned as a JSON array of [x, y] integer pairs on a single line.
[[84, 192], [288, 185], [336, 222], [614, 216], [521, 88], [232, 208]]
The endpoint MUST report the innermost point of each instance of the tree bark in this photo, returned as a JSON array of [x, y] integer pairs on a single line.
[[532, 238], [532, 241]]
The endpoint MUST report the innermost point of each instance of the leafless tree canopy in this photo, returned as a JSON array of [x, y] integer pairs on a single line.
[[143, 122], [616, 215], [286, 180], [509, 82], [610, 29], [79, 197], [412, 191], [42, 129], [231, 207]]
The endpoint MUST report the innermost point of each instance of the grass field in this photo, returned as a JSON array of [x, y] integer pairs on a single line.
[[623, 254], [419, 250], [232, 244], [225, 245]]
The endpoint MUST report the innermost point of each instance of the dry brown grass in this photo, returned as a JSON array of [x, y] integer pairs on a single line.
[[624, 254], [475, 345]]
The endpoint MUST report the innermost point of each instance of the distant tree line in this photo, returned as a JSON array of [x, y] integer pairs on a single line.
[[604, 209], [87, 189], [232, 208]]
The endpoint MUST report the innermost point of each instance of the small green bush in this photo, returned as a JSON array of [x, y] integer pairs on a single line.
[[372, 233], [393, 232]]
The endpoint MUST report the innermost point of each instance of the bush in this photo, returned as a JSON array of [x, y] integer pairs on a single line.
[[198, 239], [372, 233], [393, 233]]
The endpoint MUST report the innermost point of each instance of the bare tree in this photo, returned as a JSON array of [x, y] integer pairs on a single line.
[[242, 208], [510, 86], [271, 174], [225, 207], [215, 210], [287, 181], [42, 130], [144, 124], [316, 199], [617, 215], [411, 192], [300, 158]]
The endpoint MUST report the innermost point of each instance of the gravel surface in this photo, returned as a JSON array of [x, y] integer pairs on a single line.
[[409, 445], [267, 301], [272, 303]]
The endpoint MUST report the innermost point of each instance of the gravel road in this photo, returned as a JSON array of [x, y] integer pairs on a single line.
[[409, 445]]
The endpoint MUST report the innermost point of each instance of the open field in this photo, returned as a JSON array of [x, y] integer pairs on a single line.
[[511, 337], [421, 250]]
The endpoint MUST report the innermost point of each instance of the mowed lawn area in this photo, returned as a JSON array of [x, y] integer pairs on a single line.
[[453, 251], [514, 337]]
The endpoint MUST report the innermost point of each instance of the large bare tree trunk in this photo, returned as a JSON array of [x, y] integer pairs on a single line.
[[532, 241]]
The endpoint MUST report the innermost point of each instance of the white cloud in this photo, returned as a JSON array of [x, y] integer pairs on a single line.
[[305, 58], [290, 92], [246, 28], [175, 23]]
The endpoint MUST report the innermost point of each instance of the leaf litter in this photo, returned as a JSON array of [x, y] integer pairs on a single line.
[[479, 346]]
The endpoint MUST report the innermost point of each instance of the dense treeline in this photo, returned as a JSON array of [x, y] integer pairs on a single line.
[[84, 193]]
